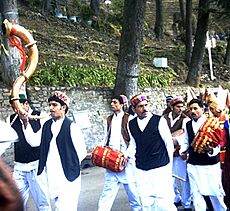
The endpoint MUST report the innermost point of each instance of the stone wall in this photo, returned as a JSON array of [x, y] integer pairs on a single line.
[[89, 104]]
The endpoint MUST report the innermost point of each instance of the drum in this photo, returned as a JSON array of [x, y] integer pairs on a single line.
[[108, 158]]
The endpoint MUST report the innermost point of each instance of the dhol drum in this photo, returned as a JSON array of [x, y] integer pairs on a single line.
[[108, 158]]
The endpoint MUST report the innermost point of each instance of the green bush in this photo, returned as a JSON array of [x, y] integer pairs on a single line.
[[55, 74]]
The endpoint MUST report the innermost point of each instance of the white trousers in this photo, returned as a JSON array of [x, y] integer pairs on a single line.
[[198, 176], [180, 170], [28, 182], [67, 198], [111, 186]]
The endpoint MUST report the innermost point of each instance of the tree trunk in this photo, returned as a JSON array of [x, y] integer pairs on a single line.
[[128, 67], [95, 7], [10, 63], [159, 20], [195, 67], [188, 32], [49, 7], [227, 55], [182, 12]]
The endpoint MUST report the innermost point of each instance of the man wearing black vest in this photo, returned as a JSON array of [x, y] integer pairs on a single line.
[[203, 168], [62, 148], [151, 144], [26, 159], [175, 119], [118, 139]]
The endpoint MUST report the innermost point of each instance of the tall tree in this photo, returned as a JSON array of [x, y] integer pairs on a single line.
[[11, 61], [195, 67], [225, 5], [188, 32], [182, 12], [158, 29], [49, 7], [227, 54], [128, 67]]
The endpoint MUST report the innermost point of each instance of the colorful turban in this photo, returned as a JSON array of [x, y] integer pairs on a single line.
[[169, 98], [60, 97], [215, 106], [176, 101], [137, 99], [124, 99]]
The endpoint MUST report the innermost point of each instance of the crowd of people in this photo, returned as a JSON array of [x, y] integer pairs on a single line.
[[179, 158]]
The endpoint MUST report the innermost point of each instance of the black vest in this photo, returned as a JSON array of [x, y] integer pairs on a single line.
[[23, 152], [151, 151], [194, 157], [69, 158]]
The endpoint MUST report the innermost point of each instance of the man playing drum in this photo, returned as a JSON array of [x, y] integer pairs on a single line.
[[203, 162], [152, 146], [175, 119], [116, 139]]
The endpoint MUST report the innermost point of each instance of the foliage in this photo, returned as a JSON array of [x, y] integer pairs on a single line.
[[55, 74], [148, 52], [163, 78]]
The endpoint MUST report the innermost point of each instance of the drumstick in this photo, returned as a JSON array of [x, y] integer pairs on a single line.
[[180, 178]]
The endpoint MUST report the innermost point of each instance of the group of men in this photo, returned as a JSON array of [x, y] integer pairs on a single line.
[[161, 154], [158, 149]]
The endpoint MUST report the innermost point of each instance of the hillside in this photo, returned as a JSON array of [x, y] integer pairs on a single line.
[[63, 41]]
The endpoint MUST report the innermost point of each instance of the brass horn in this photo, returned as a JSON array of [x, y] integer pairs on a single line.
[[12, 29]]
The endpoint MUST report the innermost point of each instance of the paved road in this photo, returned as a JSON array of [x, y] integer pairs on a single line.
[[92, 185]]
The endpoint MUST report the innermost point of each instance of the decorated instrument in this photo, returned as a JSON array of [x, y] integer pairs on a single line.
[[209, 135], [13, 32], [108, 158], [176, 134]]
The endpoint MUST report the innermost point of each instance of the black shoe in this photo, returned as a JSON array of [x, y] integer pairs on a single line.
[[187, 209], [177, 204]]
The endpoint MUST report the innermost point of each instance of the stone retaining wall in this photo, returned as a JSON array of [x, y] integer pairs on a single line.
[[91, 104]]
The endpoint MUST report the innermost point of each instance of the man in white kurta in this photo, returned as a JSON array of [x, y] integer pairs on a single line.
[[26, 158], [176, 119], [154, 165], [113, 180], [203, 168], [62, 150]]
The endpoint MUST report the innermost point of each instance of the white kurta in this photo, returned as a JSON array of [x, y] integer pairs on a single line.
[[155, 185], [205, 180], [113, 180], [64, 192], [180, 170]]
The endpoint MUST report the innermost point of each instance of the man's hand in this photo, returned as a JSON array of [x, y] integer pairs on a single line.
[[10, 198], [208, 149]]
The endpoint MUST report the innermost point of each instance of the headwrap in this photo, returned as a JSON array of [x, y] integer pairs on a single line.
[[215, 106], [122, 99], [176, 101], [60, 97], [137, 99], [169, 98]]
